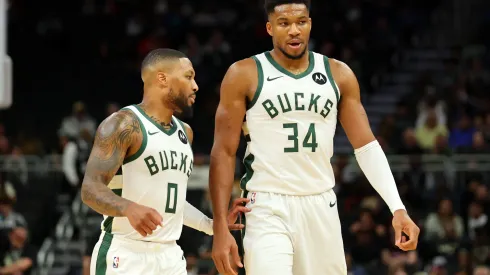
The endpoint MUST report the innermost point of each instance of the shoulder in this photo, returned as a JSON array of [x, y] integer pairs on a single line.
[[243, 69], [120, 129], [118, 121], [344, 77], [189, 132], [341, 72], [241, 78]]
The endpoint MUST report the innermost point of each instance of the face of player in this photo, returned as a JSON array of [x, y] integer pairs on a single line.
[[290, 27], [183, 87]]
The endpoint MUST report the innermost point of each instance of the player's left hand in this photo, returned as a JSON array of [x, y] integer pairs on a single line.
[[237, 208], [403, 224]]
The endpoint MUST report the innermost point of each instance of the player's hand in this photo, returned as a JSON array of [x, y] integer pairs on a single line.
[[143, 219], [237, 208], [403, 224], [223, 245]]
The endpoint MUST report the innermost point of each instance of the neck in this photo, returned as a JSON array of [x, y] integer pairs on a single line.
[[155, 109], [294, 65]]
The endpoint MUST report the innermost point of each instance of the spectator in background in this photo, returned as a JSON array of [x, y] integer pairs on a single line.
[[427, 133], [409, 145], [9, 219], [478, 146], [16, 257], [75, 156], [73, 125], [462, 135], [444, 229], [476, 218], [431, 104], [368, 239], [481, 247], [443, 223]]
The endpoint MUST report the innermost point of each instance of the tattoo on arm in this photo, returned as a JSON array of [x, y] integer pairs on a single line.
[[113, 138]]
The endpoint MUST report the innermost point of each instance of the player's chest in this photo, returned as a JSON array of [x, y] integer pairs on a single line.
[[164, 158], [297, 96]]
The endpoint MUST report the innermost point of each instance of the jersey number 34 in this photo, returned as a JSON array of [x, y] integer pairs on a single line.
[[309, 140]]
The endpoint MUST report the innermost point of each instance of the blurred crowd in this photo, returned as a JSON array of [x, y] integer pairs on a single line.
[[90, 52]]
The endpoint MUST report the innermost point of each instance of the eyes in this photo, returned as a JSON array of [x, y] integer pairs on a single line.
[[285, 24]]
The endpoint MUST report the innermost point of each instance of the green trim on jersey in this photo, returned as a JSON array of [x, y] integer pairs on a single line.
[[107, 225], [330, 77], [260, 82], [143, 142], [274, 63], [168, 132], [249, 171], [101, 263]]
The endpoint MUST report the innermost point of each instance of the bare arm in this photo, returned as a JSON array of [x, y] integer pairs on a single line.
[[114, 137], [228, 123], [352, 115]]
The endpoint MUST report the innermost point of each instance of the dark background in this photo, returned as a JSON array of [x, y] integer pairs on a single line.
[[423, 70]]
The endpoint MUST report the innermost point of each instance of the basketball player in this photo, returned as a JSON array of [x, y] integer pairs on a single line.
[[292, 98], [137, 175]]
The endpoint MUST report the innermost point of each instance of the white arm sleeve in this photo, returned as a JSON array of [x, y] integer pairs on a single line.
[[374, 164], [194, 218]]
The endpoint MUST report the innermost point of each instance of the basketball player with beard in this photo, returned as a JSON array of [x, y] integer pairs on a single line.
[[290, 99], [137, 175]]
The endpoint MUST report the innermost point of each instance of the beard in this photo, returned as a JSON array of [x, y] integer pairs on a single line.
[[293, 57], [180, 102]]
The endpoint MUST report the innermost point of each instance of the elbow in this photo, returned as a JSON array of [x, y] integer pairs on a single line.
[[220, 153], [85, 194]]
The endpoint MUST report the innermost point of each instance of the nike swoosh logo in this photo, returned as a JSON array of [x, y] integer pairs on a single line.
[[151, 134], [333, 204], [270, 79]]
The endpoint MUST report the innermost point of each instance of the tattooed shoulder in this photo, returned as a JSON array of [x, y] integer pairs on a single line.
[[116, 137]]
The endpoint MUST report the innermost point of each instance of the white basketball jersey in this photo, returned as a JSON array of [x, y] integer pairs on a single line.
[[156, 176], [290, 126]]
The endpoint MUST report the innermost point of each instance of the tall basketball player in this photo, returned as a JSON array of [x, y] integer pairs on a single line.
[[292, 99], [137, 175]]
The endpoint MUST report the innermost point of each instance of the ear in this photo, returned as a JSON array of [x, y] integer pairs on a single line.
[[268, 27], [162, 78]]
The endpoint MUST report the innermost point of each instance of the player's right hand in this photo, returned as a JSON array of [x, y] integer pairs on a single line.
[[223, 245], [143, 219]]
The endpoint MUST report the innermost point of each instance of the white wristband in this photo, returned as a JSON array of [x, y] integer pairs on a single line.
[[375, 166]]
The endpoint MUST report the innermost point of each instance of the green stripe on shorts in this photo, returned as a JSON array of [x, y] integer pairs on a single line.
[[101, 264]]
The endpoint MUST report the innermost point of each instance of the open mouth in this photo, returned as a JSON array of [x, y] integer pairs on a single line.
[[295, 45]]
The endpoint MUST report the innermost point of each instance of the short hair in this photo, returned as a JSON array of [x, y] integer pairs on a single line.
[[270, 5], [161, 55]]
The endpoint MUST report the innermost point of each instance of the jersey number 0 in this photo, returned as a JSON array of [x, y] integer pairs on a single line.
[[308, 142], [172, 192]]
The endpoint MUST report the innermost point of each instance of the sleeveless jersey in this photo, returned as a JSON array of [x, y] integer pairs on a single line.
[[289, 128], [156, 176]]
